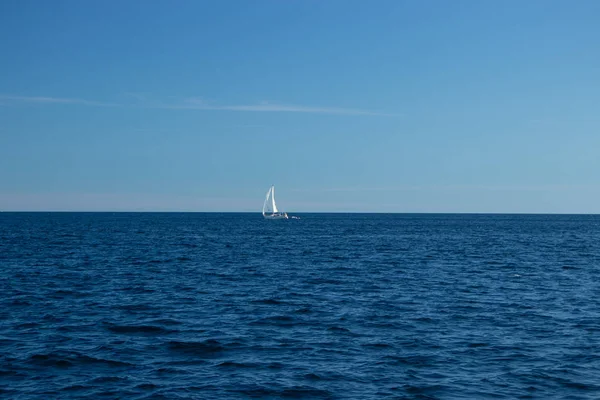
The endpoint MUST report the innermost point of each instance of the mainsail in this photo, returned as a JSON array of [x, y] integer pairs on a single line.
[[266, 203], [273, 199]]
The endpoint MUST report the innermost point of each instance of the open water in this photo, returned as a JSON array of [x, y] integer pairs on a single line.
[[336, 306]]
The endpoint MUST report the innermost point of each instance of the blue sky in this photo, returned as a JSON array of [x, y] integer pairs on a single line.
[[391, 106]]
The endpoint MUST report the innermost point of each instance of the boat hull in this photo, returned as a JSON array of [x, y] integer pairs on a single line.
[[276, 216]]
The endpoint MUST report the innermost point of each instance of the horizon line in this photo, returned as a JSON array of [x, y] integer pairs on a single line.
[[297, 212]]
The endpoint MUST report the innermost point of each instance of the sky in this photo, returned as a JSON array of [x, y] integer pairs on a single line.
[[345, 106]]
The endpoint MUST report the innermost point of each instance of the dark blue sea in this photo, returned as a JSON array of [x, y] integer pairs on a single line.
[[330, 306]]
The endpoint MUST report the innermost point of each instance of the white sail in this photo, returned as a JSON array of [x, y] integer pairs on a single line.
[[268, 206], [266, 201], [273, 199]]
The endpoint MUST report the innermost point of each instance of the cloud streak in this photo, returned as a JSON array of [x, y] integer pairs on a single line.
[[199, 104], [416, 188], [195, 104]]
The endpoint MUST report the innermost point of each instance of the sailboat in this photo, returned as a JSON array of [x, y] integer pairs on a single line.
[[269, 210]]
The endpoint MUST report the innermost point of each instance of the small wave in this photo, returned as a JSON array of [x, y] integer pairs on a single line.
[[268, 301], [417, 360], [83, 359], [377, 345], [260, 391], [304, 310], [170, 370], [578, 385], [137, 289], [425, 319], [425, 390], [337, 329], [278, 320], [50, 317], [136, 307], [4, 341], [61, 294], [306, 391], [206, 347], [4, 372], [19, 302], [147, 386], [114, 394], [106, 379], [72, 328], [474, 345], [166, 321], [323, 281], [66, 360], [143, 329], [73, 388], [233, 364], [46, 360], [28, 325], [313, 377]]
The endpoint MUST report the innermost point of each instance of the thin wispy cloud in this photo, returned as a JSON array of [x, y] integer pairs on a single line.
[[200, 104], [415, 188], [193, 103]]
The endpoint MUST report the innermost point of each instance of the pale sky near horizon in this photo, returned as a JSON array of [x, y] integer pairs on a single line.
[[389, 106]]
